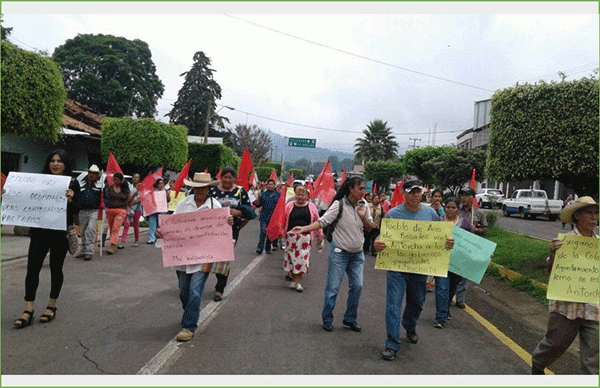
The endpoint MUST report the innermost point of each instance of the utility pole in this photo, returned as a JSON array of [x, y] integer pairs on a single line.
[[208, 117], [414, 143], [434, 134]]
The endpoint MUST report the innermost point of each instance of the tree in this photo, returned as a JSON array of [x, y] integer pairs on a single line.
[[145, 144], [33, 95], [415, 162], [546, 131], [453, 169], [112, 75], [382, 173], [252, 137], [6, 31], [196, 97], [211, 157], [378, 143]]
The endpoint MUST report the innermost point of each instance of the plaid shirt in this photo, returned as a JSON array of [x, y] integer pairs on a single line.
[[574, 310]]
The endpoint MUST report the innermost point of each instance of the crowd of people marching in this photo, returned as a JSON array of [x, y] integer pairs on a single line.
[[351, 223]]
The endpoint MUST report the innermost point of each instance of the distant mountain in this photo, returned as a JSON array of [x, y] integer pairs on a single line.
[[294, 153]]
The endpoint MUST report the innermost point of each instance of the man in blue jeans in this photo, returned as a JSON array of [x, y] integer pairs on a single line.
[[400, 283], [267, 202], [346, 255]]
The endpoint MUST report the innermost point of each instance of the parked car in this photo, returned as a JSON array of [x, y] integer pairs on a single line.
[[489, 197], [532, 203]]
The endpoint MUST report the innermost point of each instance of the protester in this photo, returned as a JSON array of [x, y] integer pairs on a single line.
[[477, 218], [445, 287], [116, 198], [387, 205], [377, 212], [192, 278], [159, 186], [566, 203], [346, 255], [55, 241], [399, 283], [436, 202], [267, 202], [134, 211], [296, 258], [567, 319], [89, 203], [235, 197]]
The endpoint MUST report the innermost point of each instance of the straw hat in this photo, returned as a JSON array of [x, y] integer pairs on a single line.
[[201, 179], [94, 168], [567, 214]]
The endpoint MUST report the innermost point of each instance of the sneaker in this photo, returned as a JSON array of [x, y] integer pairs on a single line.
[[121, 246], [461, 305], [299, 287], [217, 297], [135, 244], [449, 316], [258, 252], [327, 326], [184, 336], [412, 338], [438, 325], [292, 286], [87, 257], [80, 256], [389, 354], [150, 242]]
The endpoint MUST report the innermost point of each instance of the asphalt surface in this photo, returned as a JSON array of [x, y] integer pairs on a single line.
[[118, 315]]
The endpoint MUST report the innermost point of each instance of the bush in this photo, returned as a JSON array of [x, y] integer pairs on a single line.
[[33, 94], [382, 172], [145, 144], [275, 166], [211, 157], [263, 173], [491, 219]]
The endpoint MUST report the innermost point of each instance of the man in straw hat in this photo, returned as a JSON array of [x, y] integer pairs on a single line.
[[89, 202], [569, 318], [192, 278]]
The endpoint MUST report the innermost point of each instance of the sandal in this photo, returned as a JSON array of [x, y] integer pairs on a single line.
[[45, 318], [22, 322]]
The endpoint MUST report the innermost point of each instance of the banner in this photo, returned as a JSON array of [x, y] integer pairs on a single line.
[[574, 275], [159, 205], [35, 200], [196, 238], [471, 255], [414, 246]]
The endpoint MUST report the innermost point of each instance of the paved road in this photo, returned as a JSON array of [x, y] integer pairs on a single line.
[[118, 316], [541, 228]]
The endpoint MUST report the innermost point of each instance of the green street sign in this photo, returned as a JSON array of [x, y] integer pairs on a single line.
[[306, 143]]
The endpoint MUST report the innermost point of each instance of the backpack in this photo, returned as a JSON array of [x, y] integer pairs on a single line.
[[328, 230]]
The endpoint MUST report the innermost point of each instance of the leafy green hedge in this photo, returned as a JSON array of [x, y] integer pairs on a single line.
[[276, 166], [546, 131], [382, 172], [212, 157], [146, 143], [33, 94], [263, 173]]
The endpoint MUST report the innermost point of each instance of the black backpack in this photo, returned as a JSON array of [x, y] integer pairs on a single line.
[[328, 230]]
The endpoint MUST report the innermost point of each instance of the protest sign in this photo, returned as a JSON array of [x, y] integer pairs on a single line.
[[196, 238], [414, 246], [574, 275], [35, 200], [159, 205], [175, 200], [471, 255]]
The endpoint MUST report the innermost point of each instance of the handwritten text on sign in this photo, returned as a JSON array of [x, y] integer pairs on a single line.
[[35, 200], [471, 255], [196, 238], [414, 246], [574, 275]]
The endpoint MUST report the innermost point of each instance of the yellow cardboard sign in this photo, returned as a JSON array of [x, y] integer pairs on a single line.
[[415, 247], [574, 275]]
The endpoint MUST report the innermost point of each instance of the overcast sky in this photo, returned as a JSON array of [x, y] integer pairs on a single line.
[[307, 65]]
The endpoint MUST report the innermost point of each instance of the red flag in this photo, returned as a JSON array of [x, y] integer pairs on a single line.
[[184, 174], [291, 180], [374, 188], [219, 173], [254, 178], [343, 176], [398, 198], [274, 177], [427, 189], [146, 188], [473, 186], [206, 171], [3, 180], [275, 227], [309, 187], [325, 191], [245, 169], [317, 182], [111, 167]]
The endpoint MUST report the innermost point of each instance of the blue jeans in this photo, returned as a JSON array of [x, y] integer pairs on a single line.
[[353, 265], [191, 286], [461, 290], [442, 300], [415, 287], [152, 226], [263, 236]]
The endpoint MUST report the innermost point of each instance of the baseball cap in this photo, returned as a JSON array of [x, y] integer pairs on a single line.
[[468, 191], [411, 185]]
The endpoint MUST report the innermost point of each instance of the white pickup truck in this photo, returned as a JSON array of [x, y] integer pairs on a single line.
[[532, 203]]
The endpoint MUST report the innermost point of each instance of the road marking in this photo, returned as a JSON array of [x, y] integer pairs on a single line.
[[519, 351], [171, 352]]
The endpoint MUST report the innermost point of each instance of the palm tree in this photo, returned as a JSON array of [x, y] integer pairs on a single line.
[[378, 144]]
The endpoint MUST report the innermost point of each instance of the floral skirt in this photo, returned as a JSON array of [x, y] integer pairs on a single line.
[[297, 254]]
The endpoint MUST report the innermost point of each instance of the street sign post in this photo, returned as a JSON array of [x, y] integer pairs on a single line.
[[306, 143]]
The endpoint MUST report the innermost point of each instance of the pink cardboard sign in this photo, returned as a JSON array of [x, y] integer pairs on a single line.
[[196, 238], [159, 205]]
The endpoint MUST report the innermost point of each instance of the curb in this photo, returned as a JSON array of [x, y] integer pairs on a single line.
[[512, 275]]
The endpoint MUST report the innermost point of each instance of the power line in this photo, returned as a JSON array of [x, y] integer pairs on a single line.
[[359, 56]]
